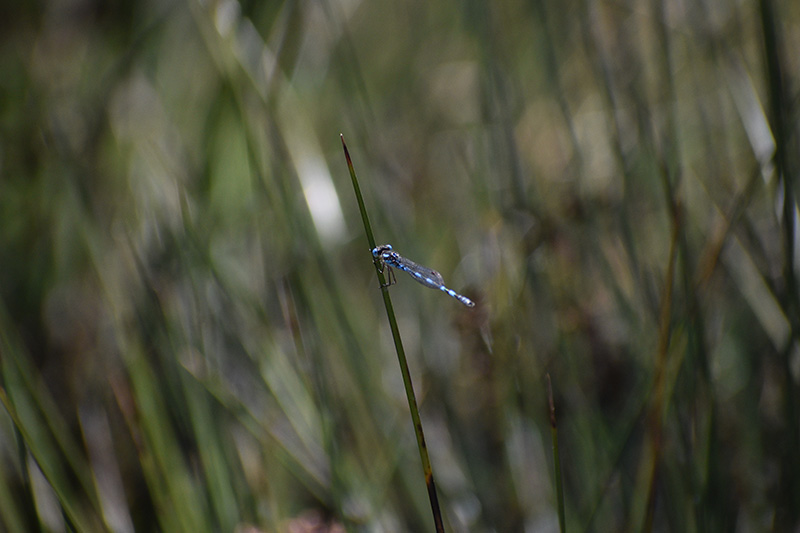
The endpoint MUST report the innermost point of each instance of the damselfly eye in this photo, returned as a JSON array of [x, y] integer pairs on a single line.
[[383, 250]]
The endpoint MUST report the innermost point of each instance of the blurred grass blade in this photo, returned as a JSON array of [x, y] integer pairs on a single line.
[[556, 459]]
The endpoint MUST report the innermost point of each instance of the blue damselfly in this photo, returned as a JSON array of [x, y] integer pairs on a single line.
[[387, 257]]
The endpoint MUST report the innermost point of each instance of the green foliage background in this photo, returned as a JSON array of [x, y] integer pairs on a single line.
[[191, 334]]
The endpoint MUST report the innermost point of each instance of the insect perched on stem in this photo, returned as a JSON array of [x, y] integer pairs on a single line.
[[387, 257]]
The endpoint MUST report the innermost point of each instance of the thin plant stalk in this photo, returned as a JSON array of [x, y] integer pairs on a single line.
[[658, 399], [556, 460], [401, 354]]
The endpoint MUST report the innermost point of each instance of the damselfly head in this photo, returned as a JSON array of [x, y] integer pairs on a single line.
[[378, 250]]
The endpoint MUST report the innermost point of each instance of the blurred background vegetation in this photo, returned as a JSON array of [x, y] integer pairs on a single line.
[[191, 332]]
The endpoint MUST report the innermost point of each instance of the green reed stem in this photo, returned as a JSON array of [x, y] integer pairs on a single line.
[[401, 354]]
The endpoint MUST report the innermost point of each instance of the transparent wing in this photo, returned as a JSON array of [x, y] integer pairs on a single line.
[[427, 276]]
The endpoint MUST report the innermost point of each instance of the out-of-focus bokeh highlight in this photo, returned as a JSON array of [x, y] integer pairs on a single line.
[[192, 337]]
